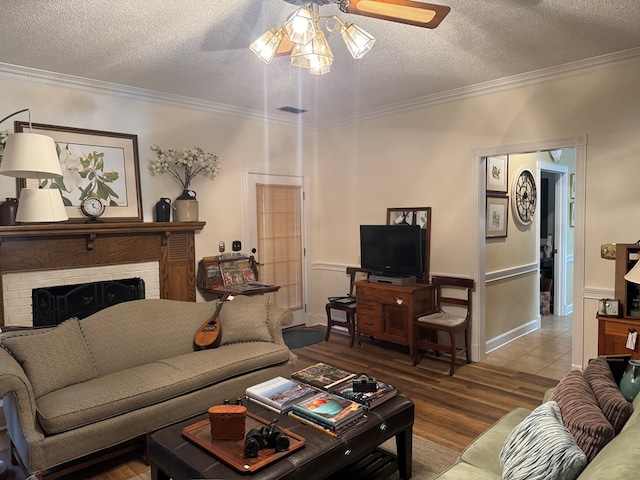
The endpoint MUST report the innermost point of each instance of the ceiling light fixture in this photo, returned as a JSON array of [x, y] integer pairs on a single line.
[[305, 41]]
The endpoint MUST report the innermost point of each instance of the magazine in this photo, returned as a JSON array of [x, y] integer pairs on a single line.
[[328, 410], [368, 399], [279, 393], [322, 375]]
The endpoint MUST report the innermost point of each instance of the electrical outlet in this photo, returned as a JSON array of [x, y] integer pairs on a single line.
[[221, 247], [608, 251], [236, 245]]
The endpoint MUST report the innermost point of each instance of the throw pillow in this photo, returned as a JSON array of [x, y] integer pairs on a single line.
[[53, 358], [612, 403], [244, 319], [540, 447], [581, 414]]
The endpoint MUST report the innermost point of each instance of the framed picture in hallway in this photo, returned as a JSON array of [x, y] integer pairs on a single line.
[[498, 174], [497, 216]]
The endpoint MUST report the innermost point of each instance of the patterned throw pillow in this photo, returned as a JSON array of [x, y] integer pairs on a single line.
[[244, 319], [540, 447], [612, 403], [53, 358], [581, 414]]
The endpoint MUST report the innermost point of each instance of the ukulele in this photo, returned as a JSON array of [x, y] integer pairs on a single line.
[[208, 335]]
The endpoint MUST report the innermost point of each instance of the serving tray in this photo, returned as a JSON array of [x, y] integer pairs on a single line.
[[231, 452]]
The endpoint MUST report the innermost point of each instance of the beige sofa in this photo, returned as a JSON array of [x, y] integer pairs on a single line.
[[87, 385], [618, 459]]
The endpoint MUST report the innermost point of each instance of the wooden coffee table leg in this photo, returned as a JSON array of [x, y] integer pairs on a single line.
[[404, 448]]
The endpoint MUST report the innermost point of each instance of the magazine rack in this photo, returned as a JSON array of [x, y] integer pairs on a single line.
[[237, 275]]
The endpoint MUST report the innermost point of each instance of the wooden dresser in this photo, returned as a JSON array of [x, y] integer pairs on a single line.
[[613, 332], [386, 311]]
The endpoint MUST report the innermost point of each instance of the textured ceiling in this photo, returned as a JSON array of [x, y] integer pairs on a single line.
[[199, 49]]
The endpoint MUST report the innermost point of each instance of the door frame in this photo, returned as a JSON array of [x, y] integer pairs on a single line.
[[478, 179], [561, 174], [246, 172]]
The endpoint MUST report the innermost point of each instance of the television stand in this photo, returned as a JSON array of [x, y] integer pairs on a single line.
[[393, 280]]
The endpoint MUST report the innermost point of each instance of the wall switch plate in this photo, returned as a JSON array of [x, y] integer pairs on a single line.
[[236, 246], [221, 247], [608, 251]]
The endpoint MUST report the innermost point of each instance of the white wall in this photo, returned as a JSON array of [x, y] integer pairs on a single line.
[[424, 158], [238, 141]]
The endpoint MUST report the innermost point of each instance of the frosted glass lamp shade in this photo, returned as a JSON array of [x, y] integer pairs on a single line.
[[267, 45], [40, 205], [30, 155], [315, 55], [300, 26], [633, 275], [357, 40]]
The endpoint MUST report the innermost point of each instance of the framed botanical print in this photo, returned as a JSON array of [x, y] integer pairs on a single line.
[[498, 174], [95, 164], [497, 216]]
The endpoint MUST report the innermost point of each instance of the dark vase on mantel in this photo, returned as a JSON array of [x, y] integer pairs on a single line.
[[163, 210], [186, 207], [8, 210]]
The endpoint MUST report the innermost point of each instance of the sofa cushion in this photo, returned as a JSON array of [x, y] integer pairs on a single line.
[[466, 471], [152, 383], [135, 333], [542, 448], [483, 451], [52, 358], [243, 319], [581, 414], [612, 403]]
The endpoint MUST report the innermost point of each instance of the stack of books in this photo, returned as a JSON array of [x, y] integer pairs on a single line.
[[321, 396], [331, 413]]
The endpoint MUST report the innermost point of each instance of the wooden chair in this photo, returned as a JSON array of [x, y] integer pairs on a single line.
[[350, 310], [427, 327]]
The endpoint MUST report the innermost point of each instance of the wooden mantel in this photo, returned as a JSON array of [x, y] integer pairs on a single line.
[[35, 247]]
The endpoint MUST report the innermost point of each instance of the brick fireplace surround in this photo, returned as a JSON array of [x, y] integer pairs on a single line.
[[64, 246]]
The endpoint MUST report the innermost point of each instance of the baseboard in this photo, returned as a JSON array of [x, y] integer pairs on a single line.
[[511, 335]]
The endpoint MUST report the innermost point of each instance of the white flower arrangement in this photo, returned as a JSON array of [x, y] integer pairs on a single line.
[[186, 165]]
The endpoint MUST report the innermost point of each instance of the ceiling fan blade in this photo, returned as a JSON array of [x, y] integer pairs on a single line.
[[419, 14]]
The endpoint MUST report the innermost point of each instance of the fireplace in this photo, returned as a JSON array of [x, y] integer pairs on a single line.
[[53, 305]]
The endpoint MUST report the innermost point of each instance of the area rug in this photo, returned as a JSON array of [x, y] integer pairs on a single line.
[[297, 337]]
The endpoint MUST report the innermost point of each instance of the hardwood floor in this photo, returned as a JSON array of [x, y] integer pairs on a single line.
[[450, 411]]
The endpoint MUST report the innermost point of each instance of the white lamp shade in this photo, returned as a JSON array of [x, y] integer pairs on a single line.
[[358, 41], [267, 45], [633, 275], [30, 155], [41, 205]]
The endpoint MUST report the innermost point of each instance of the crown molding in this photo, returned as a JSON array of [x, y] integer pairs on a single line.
[[88, 84], [501, 84], [485, 88]]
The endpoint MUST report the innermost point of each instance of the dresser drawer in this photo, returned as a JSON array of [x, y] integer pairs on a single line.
[[388, 297], [366, 307], [369, 323]]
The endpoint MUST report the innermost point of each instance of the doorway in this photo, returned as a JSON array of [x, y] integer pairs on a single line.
[[528, 270], [274, 235]]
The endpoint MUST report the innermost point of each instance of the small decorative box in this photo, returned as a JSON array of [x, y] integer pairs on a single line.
[[227, 422]]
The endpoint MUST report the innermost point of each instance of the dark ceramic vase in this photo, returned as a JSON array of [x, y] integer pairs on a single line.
[[163, 210], [8, 210]]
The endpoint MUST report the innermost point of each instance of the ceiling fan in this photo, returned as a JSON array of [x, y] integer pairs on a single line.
[[420, 14], [301, 38]]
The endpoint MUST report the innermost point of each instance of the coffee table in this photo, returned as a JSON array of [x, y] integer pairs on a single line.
[[353, 455]]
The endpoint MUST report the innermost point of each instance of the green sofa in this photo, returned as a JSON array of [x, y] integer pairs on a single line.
[[88, 385], [618, 459]]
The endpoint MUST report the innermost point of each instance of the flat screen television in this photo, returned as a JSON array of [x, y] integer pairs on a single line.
[[393, 250]]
